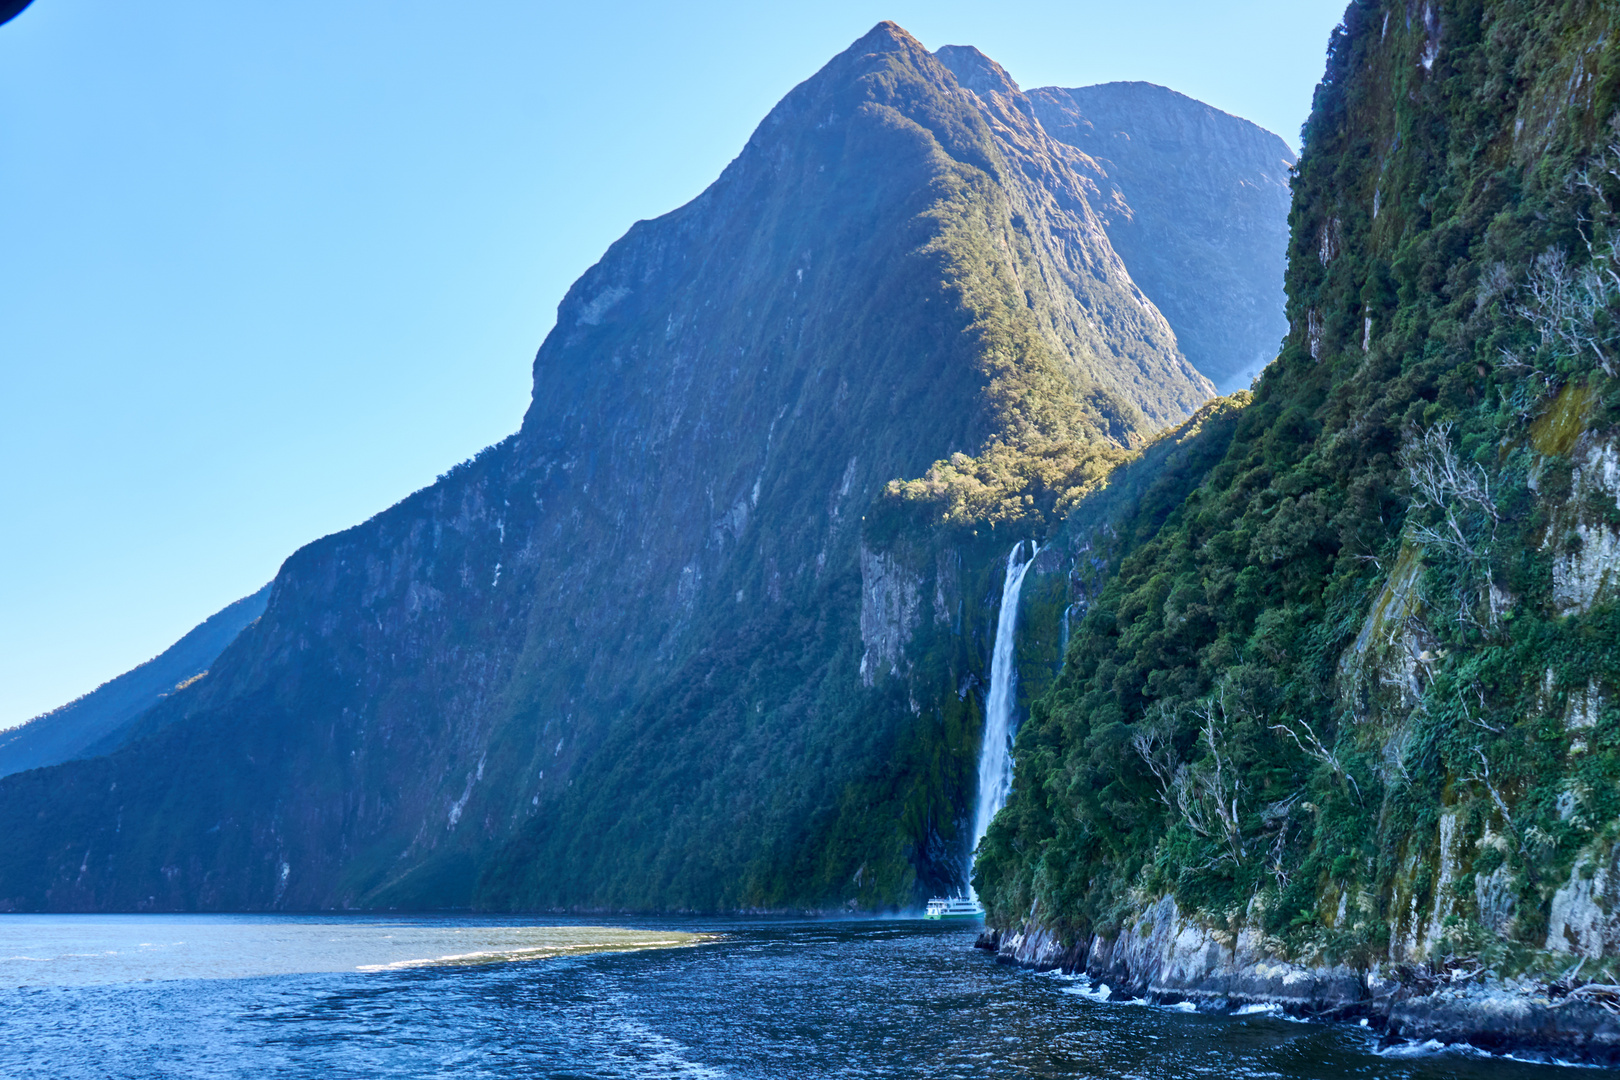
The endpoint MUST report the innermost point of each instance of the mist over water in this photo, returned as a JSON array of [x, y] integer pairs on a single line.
[[801, 1000]]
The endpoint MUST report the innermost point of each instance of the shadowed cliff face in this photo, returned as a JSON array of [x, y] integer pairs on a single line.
[[1197, 206], [616, 660]]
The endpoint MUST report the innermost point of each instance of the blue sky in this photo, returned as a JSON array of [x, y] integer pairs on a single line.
[[267, 266]]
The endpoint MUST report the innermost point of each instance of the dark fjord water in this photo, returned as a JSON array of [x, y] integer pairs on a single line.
[[205, 996]]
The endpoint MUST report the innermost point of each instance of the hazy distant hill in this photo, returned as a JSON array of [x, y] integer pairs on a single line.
[[98, 721], [1202, 221]]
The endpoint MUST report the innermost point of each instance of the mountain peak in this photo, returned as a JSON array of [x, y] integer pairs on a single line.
[[1196, 187], [1161, 112], [976, 71], [886, 36]]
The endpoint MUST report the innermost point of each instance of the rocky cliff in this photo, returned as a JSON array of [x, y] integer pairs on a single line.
[[1337, 731]]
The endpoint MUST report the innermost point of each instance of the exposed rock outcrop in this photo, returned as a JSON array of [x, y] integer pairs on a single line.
[[1166, 957]]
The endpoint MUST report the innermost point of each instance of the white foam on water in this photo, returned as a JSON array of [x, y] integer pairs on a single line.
[[1099, 992], [1436, 1048], [1427, 1048], [1103, 994], [1062, 976]]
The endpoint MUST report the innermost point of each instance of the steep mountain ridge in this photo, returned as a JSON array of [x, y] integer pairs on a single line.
[[615, 660], [98, 722], [1199, 214], [1055, 186]]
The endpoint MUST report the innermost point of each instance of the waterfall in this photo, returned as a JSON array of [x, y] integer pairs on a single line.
[[995, 755]]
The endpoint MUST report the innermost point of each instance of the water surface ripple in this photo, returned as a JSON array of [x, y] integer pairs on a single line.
[[766, 999]]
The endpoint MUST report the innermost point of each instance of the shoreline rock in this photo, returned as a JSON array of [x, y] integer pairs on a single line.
[[1167, 958]]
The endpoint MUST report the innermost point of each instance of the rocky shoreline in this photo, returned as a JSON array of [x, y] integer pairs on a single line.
[[1167, 958]]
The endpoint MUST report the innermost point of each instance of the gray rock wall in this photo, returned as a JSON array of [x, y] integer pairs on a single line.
[[1166, 957]]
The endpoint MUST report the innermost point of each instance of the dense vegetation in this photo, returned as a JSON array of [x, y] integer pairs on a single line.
[[1033, 487], [1346, 691]]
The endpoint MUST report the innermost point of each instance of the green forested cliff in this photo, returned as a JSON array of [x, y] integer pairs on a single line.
[[1355, 693]]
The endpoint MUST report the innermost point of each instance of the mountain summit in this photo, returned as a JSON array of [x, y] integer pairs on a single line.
[[649, 652]]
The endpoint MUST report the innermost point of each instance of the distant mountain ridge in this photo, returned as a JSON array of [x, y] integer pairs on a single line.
[[96, 723], [662, 647], [1203, 199]]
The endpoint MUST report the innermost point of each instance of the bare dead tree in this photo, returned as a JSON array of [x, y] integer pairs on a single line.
[[1220, 781], [1571, 308], [1205, 796], [1568, 306], [1274, 859], [1482, 776], [1153, 740], [1496, 280], [1311, 745], [1468, 713], [1440, 481], [1190, 804], [1590, 180]]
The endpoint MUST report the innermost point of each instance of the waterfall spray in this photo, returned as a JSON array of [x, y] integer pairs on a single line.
[[995, 755]]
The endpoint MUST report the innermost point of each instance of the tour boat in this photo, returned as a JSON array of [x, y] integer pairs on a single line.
[[956, 907]]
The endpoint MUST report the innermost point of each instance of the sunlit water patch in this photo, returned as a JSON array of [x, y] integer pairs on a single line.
[[110, 949], [327, 997]]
